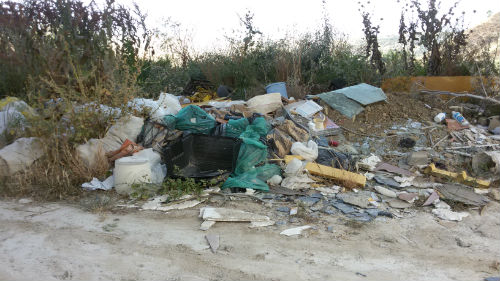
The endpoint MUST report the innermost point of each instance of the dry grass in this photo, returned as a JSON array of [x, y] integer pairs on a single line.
[[57, 175]]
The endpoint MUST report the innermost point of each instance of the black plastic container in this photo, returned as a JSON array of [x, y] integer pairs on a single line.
[[201, 156]]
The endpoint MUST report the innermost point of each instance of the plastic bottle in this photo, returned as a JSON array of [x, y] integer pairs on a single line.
[[440, 117], [457, 116]]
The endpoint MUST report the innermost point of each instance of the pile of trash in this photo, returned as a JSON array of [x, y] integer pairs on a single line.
[[278, 149]]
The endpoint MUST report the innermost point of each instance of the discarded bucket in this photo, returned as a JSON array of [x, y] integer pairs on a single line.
[[278, 87]]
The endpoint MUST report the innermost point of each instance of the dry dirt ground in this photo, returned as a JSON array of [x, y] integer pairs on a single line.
[[57, 241]]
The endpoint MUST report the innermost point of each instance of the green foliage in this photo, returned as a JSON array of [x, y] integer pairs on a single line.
[[65, 48]]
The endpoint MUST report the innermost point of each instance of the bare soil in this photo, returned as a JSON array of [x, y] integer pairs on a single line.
[[56, 241]]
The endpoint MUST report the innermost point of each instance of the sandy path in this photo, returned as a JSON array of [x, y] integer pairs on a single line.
[[43, 241]]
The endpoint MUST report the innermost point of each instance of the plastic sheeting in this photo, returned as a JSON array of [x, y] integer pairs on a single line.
[[363, 93], [350, 100], [341, 103]]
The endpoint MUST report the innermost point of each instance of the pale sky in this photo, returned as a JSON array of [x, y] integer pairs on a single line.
[[209, 20]]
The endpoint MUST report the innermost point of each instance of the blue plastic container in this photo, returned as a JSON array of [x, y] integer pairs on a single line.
[[278, 87]]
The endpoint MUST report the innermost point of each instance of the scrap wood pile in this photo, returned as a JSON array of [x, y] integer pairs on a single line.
[[274, 149]]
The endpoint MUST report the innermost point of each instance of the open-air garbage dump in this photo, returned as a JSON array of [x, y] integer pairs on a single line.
[[131, 151], [356, 154]]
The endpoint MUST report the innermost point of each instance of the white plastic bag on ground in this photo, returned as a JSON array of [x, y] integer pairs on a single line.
[[95, 184], [300, 181], [19, 155], [294, 167], [309, 152], [274, 180]]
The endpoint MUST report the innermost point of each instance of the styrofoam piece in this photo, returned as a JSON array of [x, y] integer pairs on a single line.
[[308, 109]]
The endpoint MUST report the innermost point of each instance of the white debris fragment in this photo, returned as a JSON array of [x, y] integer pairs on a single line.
[[369, 163], [295, 230], [446, 214], [95, 184], [156, 204]]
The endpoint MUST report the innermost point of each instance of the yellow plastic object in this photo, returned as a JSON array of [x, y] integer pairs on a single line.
[[455, 84], [459, 177], [336, 174], [289, 158]]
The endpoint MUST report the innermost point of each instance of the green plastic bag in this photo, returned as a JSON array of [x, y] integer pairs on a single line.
[[255, 178], [234, 128], [169, 122], [252, 153], [193, 118]]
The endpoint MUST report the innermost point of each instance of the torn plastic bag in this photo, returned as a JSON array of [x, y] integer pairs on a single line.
[[201, 156], [255, 178], [194, 119]]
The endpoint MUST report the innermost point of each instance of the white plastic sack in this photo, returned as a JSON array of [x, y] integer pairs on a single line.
[[165, 105], [309, 152], [127, 127], [264, 104], [19, 155]]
